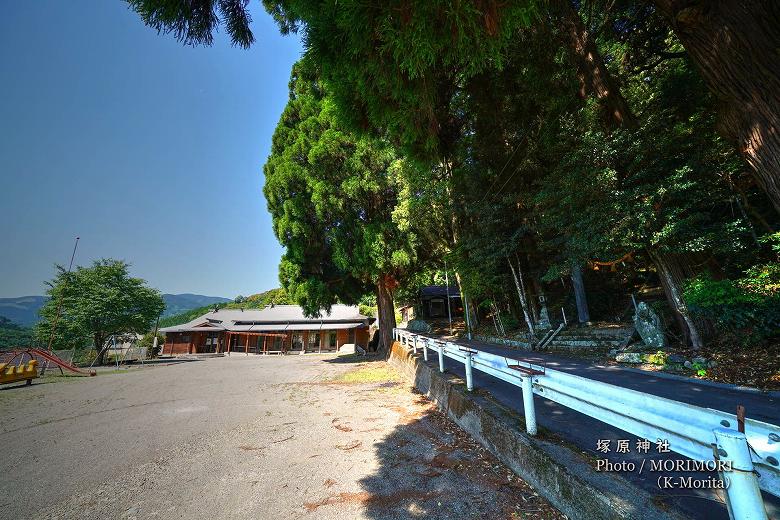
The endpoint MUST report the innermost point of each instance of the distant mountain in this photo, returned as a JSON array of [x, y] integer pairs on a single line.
[[177, 303], [256, 301], [24, 310]]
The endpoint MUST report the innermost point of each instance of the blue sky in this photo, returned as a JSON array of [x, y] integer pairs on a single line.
[[148, 150]]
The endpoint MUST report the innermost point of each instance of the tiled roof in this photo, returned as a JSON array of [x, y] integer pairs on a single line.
[[271, 318]]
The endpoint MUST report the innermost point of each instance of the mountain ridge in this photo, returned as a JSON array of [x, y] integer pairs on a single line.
[[23, 310]]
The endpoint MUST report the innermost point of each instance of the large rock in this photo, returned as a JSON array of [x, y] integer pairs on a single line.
[[347, 348], [629, 357], [351, 348], [648, 325], [418, 326]]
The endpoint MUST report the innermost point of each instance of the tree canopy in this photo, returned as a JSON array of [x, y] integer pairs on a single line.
[[95, 303], [332, 194], [543, 150], [393, 65]]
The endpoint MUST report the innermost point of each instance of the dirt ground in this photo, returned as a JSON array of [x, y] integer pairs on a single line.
[[246, 437]]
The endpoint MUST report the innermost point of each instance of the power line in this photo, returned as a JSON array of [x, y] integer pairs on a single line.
[[487, 192]]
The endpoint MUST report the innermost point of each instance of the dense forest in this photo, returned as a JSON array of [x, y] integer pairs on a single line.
[[13, 335], [582, 151]]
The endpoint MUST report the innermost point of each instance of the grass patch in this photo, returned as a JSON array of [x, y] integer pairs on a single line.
[[373, 373]]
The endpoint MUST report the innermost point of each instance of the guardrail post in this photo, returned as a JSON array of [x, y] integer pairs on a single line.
[[743, 496], [469, 375], [425, 350], [528, 406], [441, 358]]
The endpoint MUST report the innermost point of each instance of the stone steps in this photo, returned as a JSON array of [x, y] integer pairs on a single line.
[[598, 343], [601, 338], [591, 338]]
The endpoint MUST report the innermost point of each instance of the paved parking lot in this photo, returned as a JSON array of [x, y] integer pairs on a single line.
[[245, 437]]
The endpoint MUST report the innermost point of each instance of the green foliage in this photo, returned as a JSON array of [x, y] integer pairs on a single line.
[[700, 369], [147, 340], [510, 322], [261, 300], [331, 196], [95, 303], [613, 193], [84, 356], [389, 67], [430, 131], [659, 358], [195, 22], [13, 335], [394, 67], [748, 308], [184, 317], [367, 305]]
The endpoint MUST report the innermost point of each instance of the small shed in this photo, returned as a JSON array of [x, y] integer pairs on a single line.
[[433, 302]]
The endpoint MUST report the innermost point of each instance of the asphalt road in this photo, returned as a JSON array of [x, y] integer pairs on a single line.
[[245, 437], [584, 431]]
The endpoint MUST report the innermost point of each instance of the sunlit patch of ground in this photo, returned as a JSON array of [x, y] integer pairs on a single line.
[[282, 437]]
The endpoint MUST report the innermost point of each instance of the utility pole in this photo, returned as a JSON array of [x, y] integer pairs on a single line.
[[154, 339], [62, 294]]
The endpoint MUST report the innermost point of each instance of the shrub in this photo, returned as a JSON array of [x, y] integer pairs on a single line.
[[748, 307], [509, 322], [148, 341], [83, 357], [659, 358], [367, 310], [700, 369]]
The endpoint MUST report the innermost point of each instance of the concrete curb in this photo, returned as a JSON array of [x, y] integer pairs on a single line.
[[559, 473], [703, 382]]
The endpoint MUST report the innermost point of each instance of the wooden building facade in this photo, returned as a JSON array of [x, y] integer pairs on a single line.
[[280, 329]]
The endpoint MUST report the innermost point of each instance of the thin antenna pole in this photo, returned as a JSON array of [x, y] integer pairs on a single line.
[[62, 294], [154, 338]]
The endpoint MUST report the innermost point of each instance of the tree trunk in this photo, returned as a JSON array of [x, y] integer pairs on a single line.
[[534, 297], [523, 301], [474, 314], [583, 315], [100, 348], [386, 313], [672, 279], [735, 45], [595, 78]]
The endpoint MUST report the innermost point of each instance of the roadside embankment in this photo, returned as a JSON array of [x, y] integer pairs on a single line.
[[558, 472]]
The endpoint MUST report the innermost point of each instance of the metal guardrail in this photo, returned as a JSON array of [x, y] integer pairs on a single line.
[[701, 434]]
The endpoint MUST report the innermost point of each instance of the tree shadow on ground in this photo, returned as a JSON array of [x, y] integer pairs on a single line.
[[355, 358], [429, 468]]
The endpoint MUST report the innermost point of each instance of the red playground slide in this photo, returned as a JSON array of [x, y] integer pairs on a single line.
[[46, 358]]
